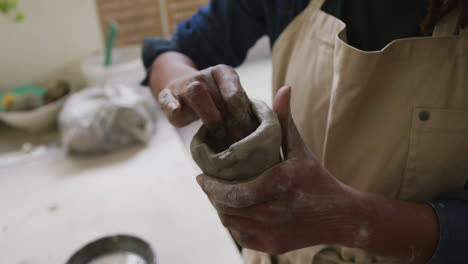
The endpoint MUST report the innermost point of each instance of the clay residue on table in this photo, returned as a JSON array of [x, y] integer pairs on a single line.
[[53, 207]]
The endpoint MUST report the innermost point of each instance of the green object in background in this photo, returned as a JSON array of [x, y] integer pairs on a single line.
[[7, 6], [13, 4], [19, 17], [110, 42], [20, 92]]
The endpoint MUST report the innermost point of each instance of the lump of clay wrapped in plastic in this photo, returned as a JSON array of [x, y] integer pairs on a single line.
[[105, 118], [246, 158]]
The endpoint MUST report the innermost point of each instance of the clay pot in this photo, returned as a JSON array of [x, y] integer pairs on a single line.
[[246, 158]]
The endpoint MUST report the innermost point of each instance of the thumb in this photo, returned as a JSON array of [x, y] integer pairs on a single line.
[[292, 143]]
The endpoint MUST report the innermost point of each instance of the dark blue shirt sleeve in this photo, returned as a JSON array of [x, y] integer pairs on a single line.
[[452, 212], [220, 33]]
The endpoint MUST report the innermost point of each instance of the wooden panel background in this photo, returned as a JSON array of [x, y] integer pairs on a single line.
[[138, 19], [179, 10]]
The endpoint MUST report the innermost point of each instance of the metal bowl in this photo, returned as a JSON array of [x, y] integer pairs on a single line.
[[113, 245]]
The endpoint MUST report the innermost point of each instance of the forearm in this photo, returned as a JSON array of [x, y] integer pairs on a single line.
[[409, 232], [168, 67]]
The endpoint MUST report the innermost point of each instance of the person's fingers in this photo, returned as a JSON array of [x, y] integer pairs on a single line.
[[265, 243], [168, 101], [292, 143], [266, 212], [243, 121], [206, 77], [175, 113], [198, 98], [242, 225], [248, 240], [447, 7], [265, 187]]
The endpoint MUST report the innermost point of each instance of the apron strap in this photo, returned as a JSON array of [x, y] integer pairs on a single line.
[[448, 25]]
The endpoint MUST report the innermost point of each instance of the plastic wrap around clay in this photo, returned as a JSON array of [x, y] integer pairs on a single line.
[[246, 158]]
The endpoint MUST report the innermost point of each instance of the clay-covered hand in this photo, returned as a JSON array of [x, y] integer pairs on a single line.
[[214, 95], [294, 204]]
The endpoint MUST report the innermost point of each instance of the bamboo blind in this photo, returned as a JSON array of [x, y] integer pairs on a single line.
[[179, 10], [138, 19]]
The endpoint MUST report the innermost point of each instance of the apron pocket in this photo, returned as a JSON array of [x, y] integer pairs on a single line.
[[438, 154]]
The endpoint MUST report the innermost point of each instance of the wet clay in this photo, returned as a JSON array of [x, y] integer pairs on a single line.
[[245, 158]]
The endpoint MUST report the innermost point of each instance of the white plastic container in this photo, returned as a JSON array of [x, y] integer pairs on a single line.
[[34, 121], [44, 118], [124, 60]]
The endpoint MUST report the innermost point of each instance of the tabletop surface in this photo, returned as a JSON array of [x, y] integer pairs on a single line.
[[52, 203]]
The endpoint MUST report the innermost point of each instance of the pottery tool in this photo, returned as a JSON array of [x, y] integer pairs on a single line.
[[113, 27]]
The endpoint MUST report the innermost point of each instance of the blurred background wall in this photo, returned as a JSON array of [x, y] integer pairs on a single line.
[[54, 33]]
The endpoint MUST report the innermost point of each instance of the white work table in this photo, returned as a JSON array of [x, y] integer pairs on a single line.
[[52, 203], [56, 203]]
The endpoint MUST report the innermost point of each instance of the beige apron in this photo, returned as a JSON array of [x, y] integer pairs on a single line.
[[393, 122]]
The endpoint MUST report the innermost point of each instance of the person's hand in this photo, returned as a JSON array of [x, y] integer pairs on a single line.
[[438, 9], [295, 204], [214, 95]]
